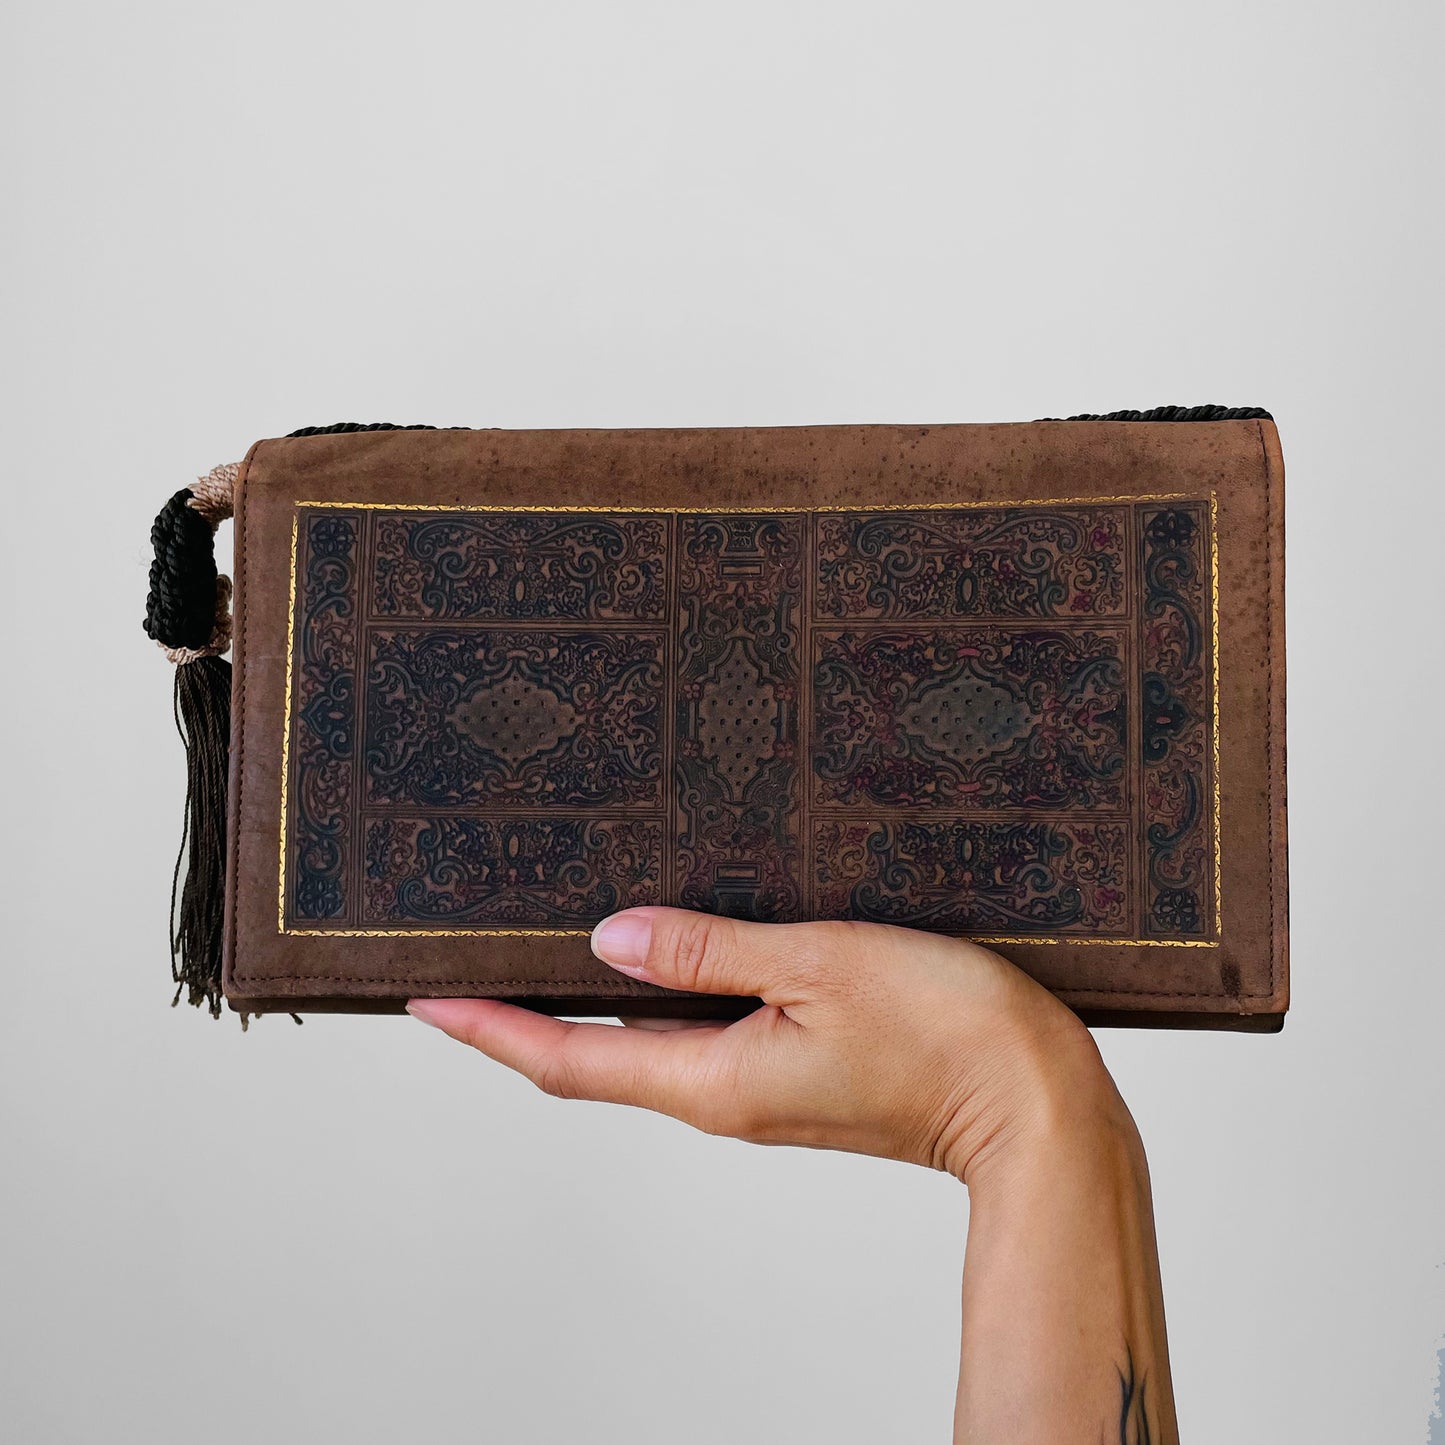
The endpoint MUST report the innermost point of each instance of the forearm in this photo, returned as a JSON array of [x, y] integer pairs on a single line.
[[1063, 1311]]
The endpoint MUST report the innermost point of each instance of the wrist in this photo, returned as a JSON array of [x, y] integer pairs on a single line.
[[1088, 1141], [1059, 1111], [1061, 1284]]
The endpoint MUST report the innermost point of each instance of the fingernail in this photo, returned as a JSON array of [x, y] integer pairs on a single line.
[[421, 1008], [622, 941]]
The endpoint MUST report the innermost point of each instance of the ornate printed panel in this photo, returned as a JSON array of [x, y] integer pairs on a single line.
[[462, 717], [1176, 721], [1005, 726], [529, 566], [981, 718], [739, 642], [982, 878], [325, 642], [508, 872], [1036, 561]]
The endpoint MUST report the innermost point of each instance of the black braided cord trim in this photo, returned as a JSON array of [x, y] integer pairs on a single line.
[[181, 603], [1156, 413], [1173, 413], [340, 428]]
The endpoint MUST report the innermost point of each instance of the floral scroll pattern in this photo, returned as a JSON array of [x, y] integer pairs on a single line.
[[508, 872], [326, 648], [1037, 562], [962, 876], [1175, 719], [985, 718], [468, 717], [528, 566]]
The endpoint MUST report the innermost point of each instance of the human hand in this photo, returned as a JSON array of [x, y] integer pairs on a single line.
[[873, 1039], [903, 1044]]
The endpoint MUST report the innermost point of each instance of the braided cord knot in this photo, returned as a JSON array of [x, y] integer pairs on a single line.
[[188, 610]]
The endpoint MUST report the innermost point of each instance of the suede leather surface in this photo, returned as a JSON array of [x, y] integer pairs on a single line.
[[1240, 980]]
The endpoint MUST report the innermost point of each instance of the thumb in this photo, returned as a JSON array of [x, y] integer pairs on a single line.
[[780, 963]]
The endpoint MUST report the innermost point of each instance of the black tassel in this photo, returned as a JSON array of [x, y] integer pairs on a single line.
[[188, 612], [203, 719]]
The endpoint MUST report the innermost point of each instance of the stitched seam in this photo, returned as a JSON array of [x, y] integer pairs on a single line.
[[592, 985], [1269, 683], [242, 561], [624, 991]]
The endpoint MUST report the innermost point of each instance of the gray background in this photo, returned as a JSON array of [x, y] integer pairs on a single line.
[[223, 222]]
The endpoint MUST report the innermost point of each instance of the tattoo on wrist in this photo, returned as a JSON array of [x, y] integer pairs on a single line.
[[1134, 1427]]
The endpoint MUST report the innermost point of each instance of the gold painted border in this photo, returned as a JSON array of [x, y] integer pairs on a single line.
[[668, 511], [587, 933], [286, 721], [760, 507], [1214, 721]]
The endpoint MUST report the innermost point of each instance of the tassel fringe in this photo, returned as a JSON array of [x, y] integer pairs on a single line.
[[198, 885]]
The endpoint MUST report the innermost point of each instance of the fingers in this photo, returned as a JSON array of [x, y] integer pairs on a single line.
[[665, 1026], [781, 963], [661, 1071]]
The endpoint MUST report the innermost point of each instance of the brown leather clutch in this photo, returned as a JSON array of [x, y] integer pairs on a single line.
[[1022, 683]]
